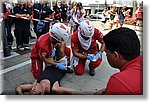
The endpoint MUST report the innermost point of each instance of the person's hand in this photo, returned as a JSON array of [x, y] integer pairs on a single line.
[[102, 49], [90, 57], [99, 55], [53, 52], [61, 66]]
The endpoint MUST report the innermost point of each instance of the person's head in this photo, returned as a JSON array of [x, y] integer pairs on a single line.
[[79, 5], [86, 29], [124, 6], [59, 32], [58, 3], [43, 2], [121, 45], [74, 4], [21, 2], [37, 89]]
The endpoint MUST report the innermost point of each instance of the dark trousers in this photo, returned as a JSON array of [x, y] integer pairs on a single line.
[[8, 33], [22, 35], [6, 49]]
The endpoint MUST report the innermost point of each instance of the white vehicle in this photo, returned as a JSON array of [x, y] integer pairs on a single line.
[[97, 15]]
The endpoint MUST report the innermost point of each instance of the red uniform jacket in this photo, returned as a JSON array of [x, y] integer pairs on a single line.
[[42, 47], [75, 43]]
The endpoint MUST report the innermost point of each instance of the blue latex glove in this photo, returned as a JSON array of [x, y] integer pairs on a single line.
[[90, 57], [99, 55], [61, 66], [53, 52]]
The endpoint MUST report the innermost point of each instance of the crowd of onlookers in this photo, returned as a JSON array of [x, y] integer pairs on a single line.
[[117, 16], [42, 15]]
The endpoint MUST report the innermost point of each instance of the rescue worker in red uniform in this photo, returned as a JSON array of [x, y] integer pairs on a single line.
[[85, 47], [47, 47]]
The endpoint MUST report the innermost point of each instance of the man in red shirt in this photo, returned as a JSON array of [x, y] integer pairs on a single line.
[[122, 48], [49, 45], [84, 46]]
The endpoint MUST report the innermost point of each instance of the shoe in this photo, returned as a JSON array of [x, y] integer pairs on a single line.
[[27, 48], [21, 48], [70, 71], [92, 72]]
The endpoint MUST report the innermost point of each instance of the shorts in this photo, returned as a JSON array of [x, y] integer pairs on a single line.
[[121, 20]]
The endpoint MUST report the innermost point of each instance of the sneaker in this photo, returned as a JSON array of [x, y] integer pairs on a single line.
[[70, 71], [21, 48], [92, 72], [27, 48]]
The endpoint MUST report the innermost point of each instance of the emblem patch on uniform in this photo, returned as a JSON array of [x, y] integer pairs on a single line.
[[62, 27], [43, 54]]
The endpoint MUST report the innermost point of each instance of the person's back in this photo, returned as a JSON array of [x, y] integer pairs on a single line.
[[42, 42]]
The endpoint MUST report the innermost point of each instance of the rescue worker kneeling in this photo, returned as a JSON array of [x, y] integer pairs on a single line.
[[51, 49], [85, 47]]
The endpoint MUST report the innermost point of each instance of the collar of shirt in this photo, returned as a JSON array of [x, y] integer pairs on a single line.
[[133, 64]]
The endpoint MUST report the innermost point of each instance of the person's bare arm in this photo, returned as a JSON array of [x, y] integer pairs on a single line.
[[71, 14], [79, 55], [23, 15], [102, 48], [21, 88], [46, 60]]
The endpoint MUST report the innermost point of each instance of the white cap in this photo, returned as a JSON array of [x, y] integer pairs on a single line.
[[60, 32], [86, 28]]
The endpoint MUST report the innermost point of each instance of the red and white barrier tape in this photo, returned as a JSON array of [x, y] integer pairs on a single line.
[[32, 19]]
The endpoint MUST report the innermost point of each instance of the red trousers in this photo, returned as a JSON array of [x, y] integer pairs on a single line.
[[79, 69]]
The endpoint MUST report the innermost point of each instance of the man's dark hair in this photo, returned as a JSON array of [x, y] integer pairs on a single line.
[[123, 41]]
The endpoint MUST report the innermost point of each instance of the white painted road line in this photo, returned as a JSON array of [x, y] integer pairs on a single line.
[[14, 67]]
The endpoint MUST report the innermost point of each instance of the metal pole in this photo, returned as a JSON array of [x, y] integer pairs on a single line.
[[51, 4]]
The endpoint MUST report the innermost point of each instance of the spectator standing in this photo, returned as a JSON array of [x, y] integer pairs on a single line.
[[64, 12], [29, 5], [42, 12], [72, 19], [22, 26], [58, 10], [139, 15], [122, 15], [127, 15], [80, 12], [112, 13]]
